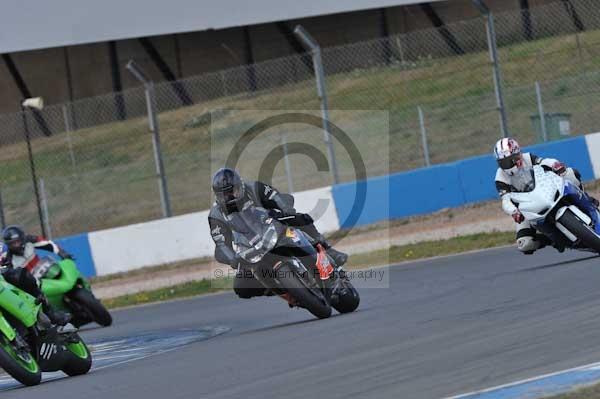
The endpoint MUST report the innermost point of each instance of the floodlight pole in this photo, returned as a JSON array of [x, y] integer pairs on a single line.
[[34, 181], [493, 49], [310, 44], [153, 123]]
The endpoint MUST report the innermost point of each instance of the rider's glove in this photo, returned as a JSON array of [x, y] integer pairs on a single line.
[[275, 213], [518, 216], [559, 168], [66, 255]]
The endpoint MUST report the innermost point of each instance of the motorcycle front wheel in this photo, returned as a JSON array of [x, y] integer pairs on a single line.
[[22, 367], [93, 306], [580, 230], [307, 297], [348, 298], [80, 359]]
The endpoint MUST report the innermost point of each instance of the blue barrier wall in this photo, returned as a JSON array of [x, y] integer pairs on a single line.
[[477, 178], [573, 152], [399, 195], [79, 247], [448, 185]]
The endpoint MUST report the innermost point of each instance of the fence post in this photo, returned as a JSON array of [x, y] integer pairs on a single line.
[[286, 160], [311, 45], [45, 213], [68, 130], [424, 136], [540, 104], [493, 49], [223, 83], [153, 123], [2, 217]]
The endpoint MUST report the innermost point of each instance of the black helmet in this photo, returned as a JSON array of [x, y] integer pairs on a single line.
[[14, 238], [228, 187]]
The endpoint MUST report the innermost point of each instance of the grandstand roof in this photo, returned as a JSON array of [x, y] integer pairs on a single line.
[[30, 25]]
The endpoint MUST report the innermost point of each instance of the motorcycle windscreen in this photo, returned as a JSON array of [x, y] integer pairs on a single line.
[[254, 233], [524, 180]]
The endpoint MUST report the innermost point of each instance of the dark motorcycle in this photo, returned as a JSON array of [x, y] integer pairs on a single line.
[[285, 262]]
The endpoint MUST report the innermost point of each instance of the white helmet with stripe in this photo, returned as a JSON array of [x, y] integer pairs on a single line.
[[508, 155]]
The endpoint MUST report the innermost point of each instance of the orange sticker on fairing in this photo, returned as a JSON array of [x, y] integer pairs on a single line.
[[323, 263], [291, 233]]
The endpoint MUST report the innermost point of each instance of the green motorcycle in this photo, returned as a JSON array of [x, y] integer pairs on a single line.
[[67, 289], [30, 344]]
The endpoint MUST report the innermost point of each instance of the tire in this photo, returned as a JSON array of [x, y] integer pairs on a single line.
[[305, 297], [96, 309], [580, 230], [349, 300], [80, 359], [29, 374]]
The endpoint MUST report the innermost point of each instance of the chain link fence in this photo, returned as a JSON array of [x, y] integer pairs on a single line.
[[94, 157]]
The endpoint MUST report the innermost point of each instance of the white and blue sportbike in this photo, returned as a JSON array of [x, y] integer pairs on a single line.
[[559, 210]]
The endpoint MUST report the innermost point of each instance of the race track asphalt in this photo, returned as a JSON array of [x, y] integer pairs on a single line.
[[444, 326]]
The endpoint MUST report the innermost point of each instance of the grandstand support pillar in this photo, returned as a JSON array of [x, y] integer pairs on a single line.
[[385, 36], [311, 45], [153, 123], [163, 67], [493, 48], [577, 22], [526, 19], [116, 80], [249, 59], [442, 29]]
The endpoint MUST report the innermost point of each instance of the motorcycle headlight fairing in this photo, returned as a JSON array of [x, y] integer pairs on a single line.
[[262, 247]]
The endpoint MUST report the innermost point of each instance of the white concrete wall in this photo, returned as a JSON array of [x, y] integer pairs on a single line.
[[184, 237], [593, 145], [154, 243]]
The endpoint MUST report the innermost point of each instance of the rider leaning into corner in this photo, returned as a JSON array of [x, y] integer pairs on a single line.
[[17, 260], [233, 193], [510, 161]]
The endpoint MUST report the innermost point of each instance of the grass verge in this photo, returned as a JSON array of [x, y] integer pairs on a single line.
[[592, 392], [395, 254]]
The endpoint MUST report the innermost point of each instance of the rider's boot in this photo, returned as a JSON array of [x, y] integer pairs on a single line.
[[528, 245], [289, 299], [590, 198], [56, 317]]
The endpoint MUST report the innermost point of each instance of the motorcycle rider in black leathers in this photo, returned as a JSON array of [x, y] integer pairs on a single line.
[[18, 258], [233, 193]]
